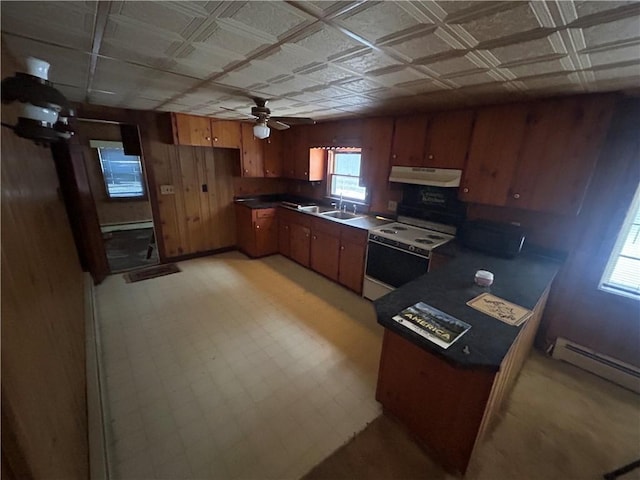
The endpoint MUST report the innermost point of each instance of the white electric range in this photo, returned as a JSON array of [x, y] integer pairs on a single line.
[[399, 252]]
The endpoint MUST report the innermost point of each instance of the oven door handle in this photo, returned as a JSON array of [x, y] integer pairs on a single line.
[[400, 249]]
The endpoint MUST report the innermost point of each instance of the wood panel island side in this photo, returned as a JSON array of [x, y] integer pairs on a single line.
[[449, 398]]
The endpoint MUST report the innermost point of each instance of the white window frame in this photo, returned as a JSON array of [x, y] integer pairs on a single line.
[[99, 145], [331, 175], [605, 284]]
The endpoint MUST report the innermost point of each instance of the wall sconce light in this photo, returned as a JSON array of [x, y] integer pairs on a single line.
[[44, 112]]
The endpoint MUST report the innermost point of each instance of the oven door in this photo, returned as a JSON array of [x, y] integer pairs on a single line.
[[392, 266]]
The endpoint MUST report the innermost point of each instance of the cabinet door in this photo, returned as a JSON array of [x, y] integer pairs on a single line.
[[191, 130], [409, 138], [559, 153], [300, 243], [226, 134], [493, 154], [351, 268], [448, 139], [244, 229], [266, 234], [273, 154], [325, 254], [284, 237], [252, 159]]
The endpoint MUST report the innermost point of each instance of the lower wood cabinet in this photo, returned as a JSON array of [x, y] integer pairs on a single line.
[[351, 269], [257, 231], [332, 249], [300, 243], [325, 248]]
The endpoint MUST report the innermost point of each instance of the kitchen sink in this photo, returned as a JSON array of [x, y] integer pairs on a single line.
[[341, 215]]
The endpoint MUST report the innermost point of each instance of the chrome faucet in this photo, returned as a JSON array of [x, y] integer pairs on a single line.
[[355, 209], [341, 206]]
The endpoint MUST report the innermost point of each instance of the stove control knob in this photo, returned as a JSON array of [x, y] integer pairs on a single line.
[[411, 248], [375, 237]]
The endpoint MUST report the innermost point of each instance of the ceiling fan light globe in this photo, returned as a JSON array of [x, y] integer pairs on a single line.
[[261, 131]]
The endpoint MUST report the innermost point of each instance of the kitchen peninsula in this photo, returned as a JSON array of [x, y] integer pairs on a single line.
[[448, 398]]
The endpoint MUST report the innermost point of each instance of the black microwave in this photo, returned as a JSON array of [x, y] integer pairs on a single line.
[[499, 239]]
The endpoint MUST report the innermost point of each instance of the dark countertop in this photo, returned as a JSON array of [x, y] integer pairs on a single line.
[[521, 280], [366, 222]]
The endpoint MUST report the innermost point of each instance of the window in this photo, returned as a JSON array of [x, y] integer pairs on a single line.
[[122, 173], [344, 174], [622, 274]]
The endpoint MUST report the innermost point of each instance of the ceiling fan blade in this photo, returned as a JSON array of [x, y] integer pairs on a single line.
[[248, 115], [276, 124], [295, 120]]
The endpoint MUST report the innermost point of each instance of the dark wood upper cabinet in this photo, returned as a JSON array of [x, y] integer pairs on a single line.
[[273, 149], [559, 153], [191, 130], [495, 146], [448, 137], [536, 156], [225, 134], [409, 137], [252, 153]]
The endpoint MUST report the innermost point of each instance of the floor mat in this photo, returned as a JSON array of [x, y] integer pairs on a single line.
[[151, 272], [127, 249]]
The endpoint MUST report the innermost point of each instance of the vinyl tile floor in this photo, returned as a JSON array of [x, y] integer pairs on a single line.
[[234, 368]]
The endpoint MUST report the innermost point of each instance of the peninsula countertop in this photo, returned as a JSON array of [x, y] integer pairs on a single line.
[[522, 280]]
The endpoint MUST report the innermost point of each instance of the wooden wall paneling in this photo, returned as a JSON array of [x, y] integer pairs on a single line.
[[43, 363], [559, 152], [273, 148], [219, 170], [577, 309], [204, 158], [182, 224], [190, 179]]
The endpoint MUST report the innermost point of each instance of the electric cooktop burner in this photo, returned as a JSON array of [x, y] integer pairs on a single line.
[[388, 230], [435, 237], [425, 241]]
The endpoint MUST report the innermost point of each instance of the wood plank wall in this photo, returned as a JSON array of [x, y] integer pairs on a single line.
[[44, 410], [577, 310]]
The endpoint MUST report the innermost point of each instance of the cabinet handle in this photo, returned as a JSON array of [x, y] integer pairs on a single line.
[[307, 235], [341, 247], [516, 195], [430, 157], [207, 138], [315, 238], [465, 190], [306, 174], [394, 156], [257, 226], [215, 139], [246, 171]]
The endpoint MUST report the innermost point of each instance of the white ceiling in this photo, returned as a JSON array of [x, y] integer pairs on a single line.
[[326, 59]]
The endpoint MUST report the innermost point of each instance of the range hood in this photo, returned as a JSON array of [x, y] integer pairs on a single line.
[[437, 177]]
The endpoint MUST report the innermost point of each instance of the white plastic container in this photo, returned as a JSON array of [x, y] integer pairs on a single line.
[[484, 278]]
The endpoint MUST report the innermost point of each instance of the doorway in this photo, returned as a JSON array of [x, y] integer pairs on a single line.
[[120, 192]]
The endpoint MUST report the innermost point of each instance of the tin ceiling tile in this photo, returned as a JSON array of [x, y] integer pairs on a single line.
[[502, 24], [326, 42], [367, 61], [273, 18], [378, 20]]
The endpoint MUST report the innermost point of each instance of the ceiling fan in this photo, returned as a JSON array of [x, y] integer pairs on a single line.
[[264, 120]]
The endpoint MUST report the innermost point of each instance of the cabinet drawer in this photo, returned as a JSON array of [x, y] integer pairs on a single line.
[[265, 213], [325, 226], [354, 235]]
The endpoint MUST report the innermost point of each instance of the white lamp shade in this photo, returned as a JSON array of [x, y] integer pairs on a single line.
[[40, 114], [260, 130], [37, 67]]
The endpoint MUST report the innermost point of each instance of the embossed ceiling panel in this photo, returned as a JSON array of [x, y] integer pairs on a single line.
[[329, 59]]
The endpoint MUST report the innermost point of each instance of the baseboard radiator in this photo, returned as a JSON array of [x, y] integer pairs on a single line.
[[606, 367]]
